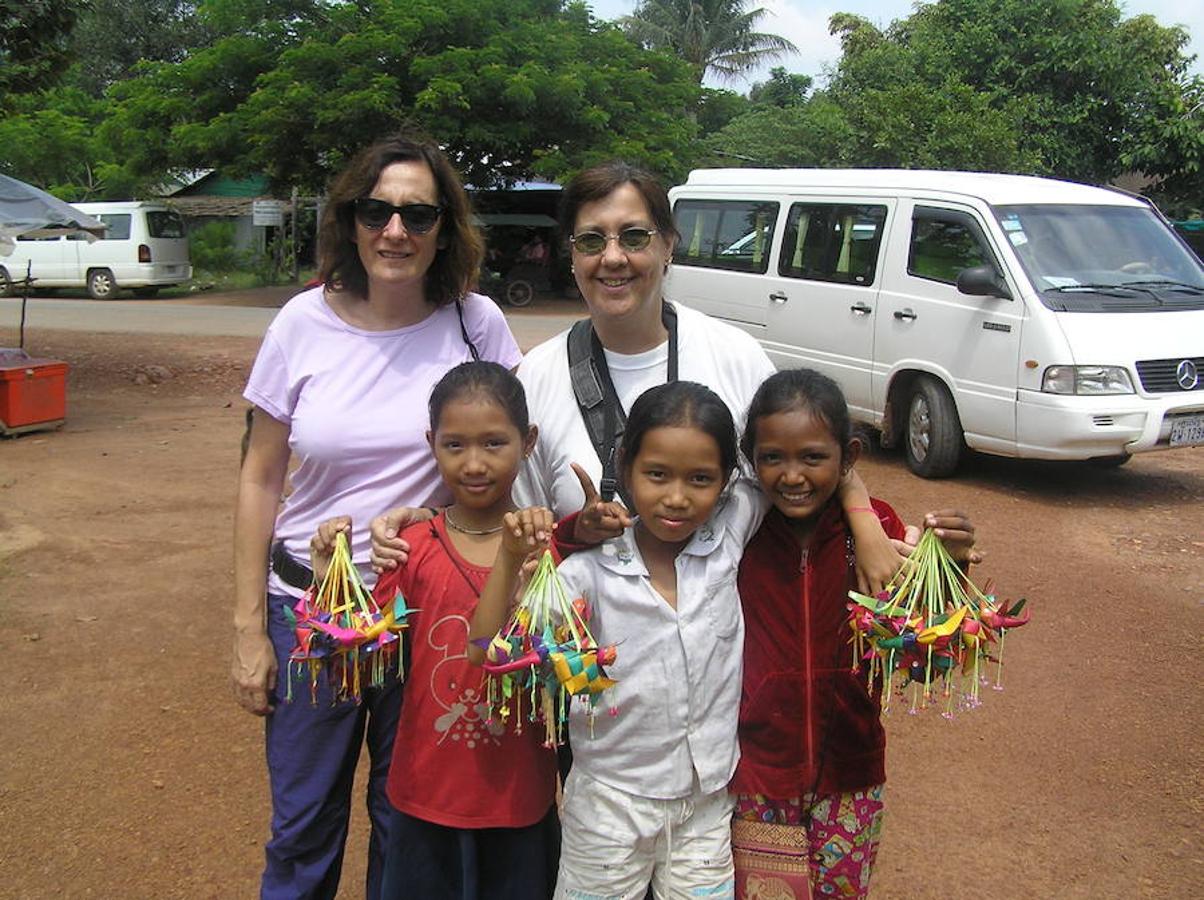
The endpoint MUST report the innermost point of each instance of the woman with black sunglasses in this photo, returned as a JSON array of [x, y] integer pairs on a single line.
[[341, 383]]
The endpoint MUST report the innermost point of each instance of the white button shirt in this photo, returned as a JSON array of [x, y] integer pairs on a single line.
[[678, 671]]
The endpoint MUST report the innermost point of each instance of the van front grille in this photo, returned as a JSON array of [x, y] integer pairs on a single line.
[[1161, 376]]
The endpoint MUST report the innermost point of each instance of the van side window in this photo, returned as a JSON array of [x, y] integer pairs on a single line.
[[164, 224], [832, 242], [119, 226], [724, 234], [943, 242]]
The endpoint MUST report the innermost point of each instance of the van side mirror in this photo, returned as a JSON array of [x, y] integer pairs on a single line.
[[982, 281]]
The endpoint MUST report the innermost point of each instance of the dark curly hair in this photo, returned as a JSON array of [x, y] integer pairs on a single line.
[[458, 260]]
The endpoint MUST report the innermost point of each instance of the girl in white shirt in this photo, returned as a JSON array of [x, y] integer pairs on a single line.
[[646, 800]]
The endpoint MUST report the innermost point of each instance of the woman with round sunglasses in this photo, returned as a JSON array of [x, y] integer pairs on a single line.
[[341, 384]]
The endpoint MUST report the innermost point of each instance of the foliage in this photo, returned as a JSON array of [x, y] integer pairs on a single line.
[[718, 107], [34, 43], [50, 140], [782, 89], [713, 36], [1058, 88], [813, 134], [510, 87], [1067, 89], [112, 37], [211, 247]]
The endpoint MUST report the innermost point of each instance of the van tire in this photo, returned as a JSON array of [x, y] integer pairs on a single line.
[[101, 285], [146, 292], [932, 431], [6, 283]]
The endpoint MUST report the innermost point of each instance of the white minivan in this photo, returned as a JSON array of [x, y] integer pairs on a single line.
[[144, 248], [1014, 315]]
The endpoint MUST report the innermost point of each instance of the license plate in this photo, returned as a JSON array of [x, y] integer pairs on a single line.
[[1187, 431]]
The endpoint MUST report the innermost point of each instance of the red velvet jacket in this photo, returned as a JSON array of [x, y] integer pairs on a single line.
[[807, 721]]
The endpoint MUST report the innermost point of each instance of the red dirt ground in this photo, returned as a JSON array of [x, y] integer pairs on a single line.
[[128, 770]]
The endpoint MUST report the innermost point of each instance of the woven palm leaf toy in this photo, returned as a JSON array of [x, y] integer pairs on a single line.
[[343, 634], [546, 654], [933, 633]]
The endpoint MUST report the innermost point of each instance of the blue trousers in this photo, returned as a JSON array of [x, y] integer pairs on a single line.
[[437, 862], [312, 751]]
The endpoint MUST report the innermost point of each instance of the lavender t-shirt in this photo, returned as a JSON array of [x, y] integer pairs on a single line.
[[355, 402]]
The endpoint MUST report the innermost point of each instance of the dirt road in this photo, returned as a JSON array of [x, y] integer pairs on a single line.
[[128, 771]]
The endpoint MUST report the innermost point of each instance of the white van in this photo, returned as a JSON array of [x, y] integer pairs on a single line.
[[144, 248], [1014, 315]]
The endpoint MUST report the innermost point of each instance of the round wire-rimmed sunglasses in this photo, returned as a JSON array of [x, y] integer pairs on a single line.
[[418, 218], [630, 240]]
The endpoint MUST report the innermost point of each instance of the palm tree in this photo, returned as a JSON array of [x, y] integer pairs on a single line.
[[712, 35]]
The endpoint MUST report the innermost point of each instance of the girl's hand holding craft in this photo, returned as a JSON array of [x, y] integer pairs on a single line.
[[598, 520], [321, 545], [527, 531], [956, 532]]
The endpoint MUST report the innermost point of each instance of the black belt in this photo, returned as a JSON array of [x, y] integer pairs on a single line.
[[289, 570]]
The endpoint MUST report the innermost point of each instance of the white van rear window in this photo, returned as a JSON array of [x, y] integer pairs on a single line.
[[119, 226], [163, 223]]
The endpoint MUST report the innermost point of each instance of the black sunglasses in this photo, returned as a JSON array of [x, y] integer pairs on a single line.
[[630, 240], [416, 217]]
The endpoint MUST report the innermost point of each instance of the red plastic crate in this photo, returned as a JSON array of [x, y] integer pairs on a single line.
[[33, 393]]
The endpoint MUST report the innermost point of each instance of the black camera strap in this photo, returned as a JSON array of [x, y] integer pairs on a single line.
[[596, 396]]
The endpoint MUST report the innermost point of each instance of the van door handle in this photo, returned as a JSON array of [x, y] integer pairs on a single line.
[[862, 309], [905, 313], [778, 297]]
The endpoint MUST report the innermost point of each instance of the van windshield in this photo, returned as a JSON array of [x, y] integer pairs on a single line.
[[164, 223], [1075, 255]]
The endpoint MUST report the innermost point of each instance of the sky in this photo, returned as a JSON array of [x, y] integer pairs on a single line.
[[805, 23]]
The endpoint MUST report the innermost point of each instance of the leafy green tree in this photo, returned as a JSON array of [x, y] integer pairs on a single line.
[[112, 36], [782, 89], [718, 107], [713, 36], [815, 133], [34, 43], [1060, 88], [511, 87]]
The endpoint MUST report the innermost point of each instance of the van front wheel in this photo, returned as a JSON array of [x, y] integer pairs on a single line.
[[101, 285], [934, 433], [6, 284]]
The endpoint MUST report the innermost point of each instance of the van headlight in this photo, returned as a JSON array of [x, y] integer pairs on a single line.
[[1086, 380]]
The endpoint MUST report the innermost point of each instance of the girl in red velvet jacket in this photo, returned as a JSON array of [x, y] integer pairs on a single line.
[[809, 784]]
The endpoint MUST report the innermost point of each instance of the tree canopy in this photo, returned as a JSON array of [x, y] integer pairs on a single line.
[[34, 43], [106, 98], [1069, 89], [511, 87]]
